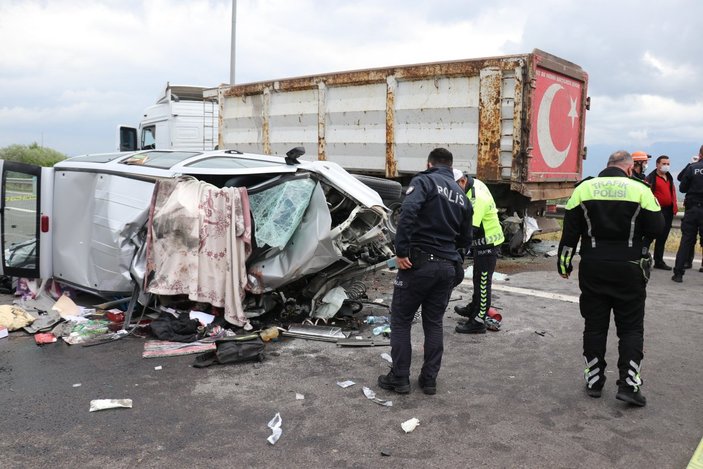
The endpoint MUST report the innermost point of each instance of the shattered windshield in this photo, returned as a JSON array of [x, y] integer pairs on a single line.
[[278, 211]]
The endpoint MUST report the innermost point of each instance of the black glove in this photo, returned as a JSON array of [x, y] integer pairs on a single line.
[[566, 254]]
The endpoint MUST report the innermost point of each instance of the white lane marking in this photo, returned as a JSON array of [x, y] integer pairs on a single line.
[[518, 290], [530, 292]]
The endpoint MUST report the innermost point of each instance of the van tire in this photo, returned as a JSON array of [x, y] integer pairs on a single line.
[[387, 189]]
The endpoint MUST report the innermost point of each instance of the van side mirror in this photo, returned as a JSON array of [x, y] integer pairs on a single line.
[[293, 154], [128, 138]]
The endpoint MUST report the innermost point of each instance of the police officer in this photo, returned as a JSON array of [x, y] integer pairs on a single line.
[[611, 214], [434, 225], [691, 184], [488, 235]]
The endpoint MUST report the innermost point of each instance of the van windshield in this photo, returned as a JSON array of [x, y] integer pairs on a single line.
[[160, 159]]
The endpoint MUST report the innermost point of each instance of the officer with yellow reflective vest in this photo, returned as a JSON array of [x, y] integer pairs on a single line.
[[488, 235], [611, 215]]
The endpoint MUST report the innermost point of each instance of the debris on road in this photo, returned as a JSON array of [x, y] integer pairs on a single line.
[[299, 397], [276, 430], [162, 348], [410, 425], [387, 357], [44, 338], [13, 317], [103, 404], [345, 384], [371, 395]]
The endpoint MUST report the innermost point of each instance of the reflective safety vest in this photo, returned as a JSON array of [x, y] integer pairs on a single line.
[[611, 214], [488, 230]]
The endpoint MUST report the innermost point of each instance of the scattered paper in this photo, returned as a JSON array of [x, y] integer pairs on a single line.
[[299, 397], [66, 307], [371, 395], [387, 357], [275, 426], [409, 425], [158, 368], [202, 317], [102, 404], [345, 384], [378, 300], [77, 385]]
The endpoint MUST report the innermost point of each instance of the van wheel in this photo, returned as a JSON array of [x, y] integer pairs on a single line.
[[387, 189]]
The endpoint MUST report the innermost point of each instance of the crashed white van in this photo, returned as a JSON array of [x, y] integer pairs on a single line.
[[83, 222]]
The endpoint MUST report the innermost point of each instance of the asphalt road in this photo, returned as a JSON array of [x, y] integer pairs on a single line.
[[507, 399]]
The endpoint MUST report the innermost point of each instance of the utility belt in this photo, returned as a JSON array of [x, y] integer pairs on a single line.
[[418, 257]]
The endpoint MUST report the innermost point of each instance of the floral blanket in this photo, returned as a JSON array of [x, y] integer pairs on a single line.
[[199, 239]]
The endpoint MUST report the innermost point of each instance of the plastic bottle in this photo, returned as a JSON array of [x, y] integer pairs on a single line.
[[377, 320]]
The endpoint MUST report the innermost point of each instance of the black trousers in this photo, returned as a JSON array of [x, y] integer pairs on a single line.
[[691, 225], [668, 213], [429, 286], [484, 265], [620, 287]]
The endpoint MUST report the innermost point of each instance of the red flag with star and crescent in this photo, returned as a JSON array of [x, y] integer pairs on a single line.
[[556, 127]]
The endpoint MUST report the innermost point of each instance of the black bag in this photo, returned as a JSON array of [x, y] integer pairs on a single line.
[[232, 351], [176, 329]]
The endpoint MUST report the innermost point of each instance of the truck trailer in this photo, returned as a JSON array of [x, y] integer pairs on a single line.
[[516, 122]]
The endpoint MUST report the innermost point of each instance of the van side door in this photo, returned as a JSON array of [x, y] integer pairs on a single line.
[[25, 220]]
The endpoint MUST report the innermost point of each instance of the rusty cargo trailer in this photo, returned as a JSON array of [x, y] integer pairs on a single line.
[[516, 122]]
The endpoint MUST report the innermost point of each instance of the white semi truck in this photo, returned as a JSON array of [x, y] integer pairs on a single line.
[[181, 119]]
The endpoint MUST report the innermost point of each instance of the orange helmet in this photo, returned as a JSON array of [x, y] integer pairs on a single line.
[[639, 156]]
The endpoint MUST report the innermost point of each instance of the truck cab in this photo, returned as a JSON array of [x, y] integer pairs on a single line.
[[182, 119]]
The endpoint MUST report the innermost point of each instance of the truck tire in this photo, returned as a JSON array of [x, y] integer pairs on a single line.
[[392, 222], [387, 189]]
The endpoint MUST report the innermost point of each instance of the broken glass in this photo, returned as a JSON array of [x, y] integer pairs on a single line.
[[278, 211]]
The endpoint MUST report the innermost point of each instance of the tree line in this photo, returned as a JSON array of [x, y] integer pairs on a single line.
[[31, 154]]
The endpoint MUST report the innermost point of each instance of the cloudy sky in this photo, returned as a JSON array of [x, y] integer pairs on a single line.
[[71, 71]]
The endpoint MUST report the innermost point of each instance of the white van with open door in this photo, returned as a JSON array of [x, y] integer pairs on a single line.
[[84, 221]]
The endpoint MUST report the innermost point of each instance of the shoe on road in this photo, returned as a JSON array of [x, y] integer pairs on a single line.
[[631, 397], [678, 278], [472, 326], [391, 382], [594, 392], [428, 386], [661, 265]]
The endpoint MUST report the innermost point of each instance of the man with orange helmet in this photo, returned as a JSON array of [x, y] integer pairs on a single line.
[[640, 158]]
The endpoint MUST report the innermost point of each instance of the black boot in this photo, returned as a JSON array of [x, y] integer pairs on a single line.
[[428, 386], [391, 382], [626, 394], [467, 311], [594, 392], [472, 326]]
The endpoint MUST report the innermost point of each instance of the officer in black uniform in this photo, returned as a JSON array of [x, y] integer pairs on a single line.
[[434, 231], [691, 184], [611, 215]]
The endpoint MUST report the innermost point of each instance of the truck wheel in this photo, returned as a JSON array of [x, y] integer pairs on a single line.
[[387, 189], [392, 222]]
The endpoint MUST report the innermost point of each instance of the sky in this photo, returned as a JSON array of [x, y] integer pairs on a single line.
[[72, 71]]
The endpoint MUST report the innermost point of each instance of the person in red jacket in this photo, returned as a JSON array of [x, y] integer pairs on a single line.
[[662, 184]]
